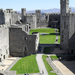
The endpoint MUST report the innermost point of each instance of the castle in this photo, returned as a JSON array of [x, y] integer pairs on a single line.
[[14, 30]]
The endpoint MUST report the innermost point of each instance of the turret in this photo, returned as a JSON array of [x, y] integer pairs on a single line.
[[23, 13], [64, 6]]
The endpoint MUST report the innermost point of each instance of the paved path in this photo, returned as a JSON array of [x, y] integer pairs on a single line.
[[7, 63], [41, 64], [14, 60]]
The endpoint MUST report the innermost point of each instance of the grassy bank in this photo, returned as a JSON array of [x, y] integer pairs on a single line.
[[46, 39], [54, 57], [26, 65], [49, 69]]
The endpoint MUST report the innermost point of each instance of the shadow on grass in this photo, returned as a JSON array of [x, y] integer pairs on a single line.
[[46, 50], [49, 34], [52, 33]]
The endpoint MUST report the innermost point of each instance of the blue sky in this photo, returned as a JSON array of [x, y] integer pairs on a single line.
[[32, 4]]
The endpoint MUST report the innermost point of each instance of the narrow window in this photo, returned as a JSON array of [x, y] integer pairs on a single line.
[[10, 30], [25, 48], [25, 38], [4, 56], [0, 59]]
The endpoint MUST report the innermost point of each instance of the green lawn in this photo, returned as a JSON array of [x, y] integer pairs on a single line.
[[59, 39], [46, 50], [54, 57], [49, 69], [26, 65], [46, 39]]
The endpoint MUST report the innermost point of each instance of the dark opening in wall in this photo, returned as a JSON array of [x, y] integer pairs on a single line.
[[25, 48], [4, 56], [29, 27], [29, 24], [72, 51], [25, 38], [10, 30], [1, 54], [0, 59], [38, 20], [25, 52]]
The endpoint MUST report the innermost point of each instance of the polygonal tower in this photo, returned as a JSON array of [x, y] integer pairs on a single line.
[[64, 6], [64, 25], [38, 14]]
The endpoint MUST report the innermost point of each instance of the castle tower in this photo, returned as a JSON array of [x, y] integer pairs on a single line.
[[64, 6], [38, 14], [23, 14], [64, 25]]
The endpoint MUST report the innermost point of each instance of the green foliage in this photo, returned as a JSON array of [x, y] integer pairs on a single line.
[[26, 65], [54, 57], [46, 50], [46, 39], [47, 66]]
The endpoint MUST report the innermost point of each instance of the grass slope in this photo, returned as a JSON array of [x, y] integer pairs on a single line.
[[26, 65], [46, 39], [54, 57], [47, 66]]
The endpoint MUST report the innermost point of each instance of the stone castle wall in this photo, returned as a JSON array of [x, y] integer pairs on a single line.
[[31, 20], [72, 33], [64, 32], [54, 20], [4, 43], [20, 43], [8, 18]]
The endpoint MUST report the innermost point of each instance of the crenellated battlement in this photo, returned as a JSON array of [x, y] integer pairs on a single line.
[[54, 14], [7, 11]]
